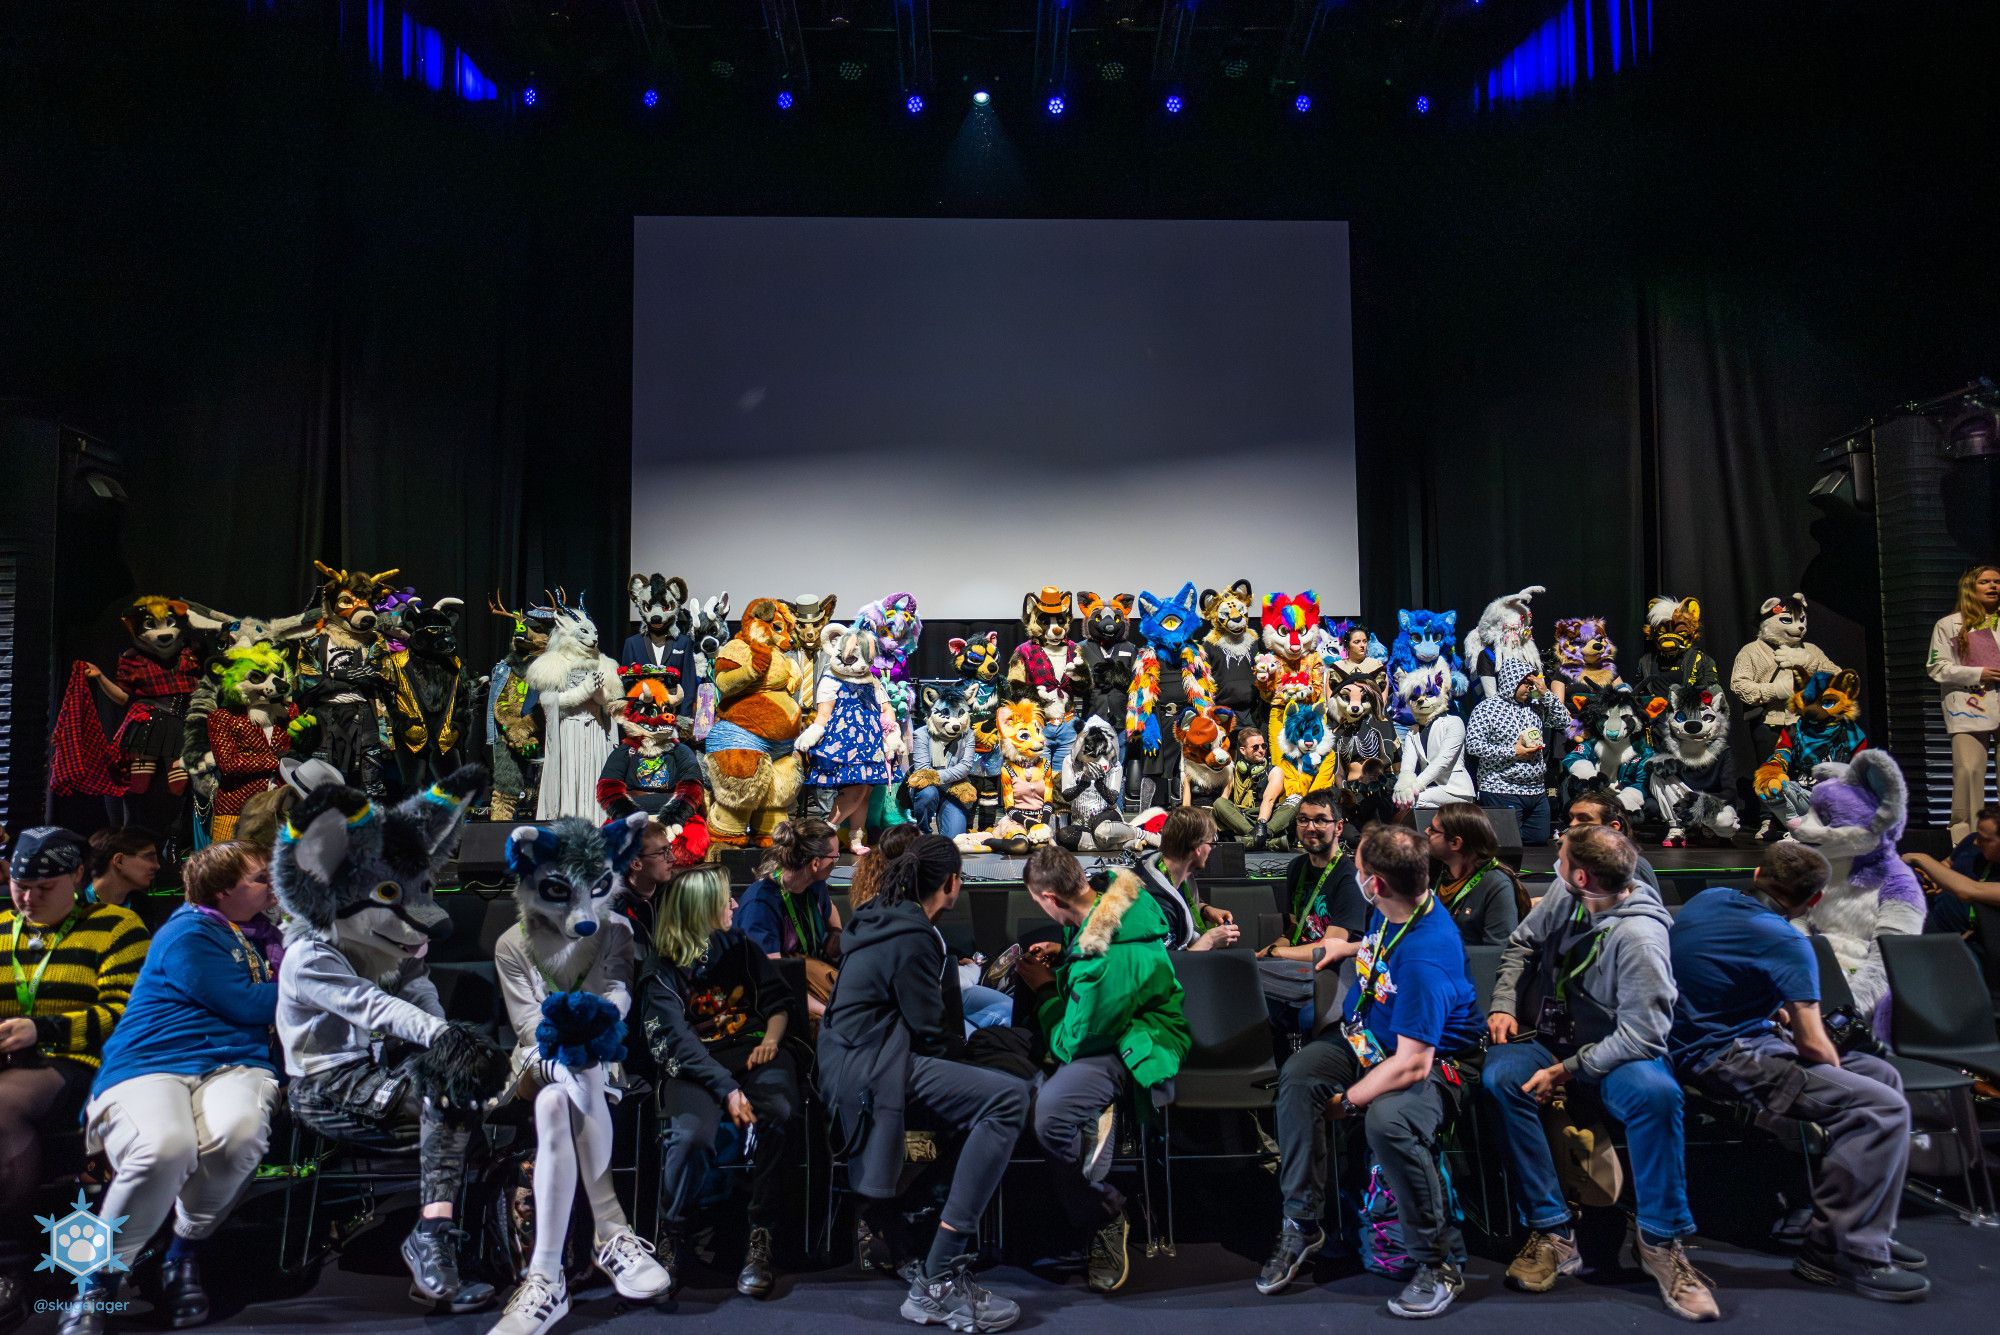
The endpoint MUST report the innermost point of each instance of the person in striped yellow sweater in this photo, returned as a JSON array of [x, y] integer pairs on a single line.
[[72, 965]]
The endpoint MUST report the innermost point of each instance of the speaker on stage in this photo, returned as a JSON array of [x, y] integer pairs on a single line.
[[742, 863], [482, 849], [1225, 863]]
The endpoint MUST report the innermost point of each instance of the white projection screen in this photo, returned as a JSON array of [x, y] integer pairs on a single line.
[[966, 409]]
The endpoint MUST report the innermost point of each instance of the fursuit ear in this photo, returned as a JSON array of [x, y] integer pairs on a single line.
[[1186, 597], [1225, 718], [319, 833], [1027, 608], [439, 810], [1125, 602], [1209, 598], [1770, 605], [1087, 604], [621, 838], [1241, 588], [1879, 773], [1848, 682], [1450, 623], [530, 846], [1148, 603], [830, 635], [718, 608], [992, 642], [637, 587], [954, 647], [1404, 621], [930, 698]]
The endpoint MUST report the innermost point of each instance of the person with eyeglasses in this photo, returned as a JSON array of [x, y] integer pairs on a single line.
[[1323, 903], [788, 911], [1481, 892], [1747, 1029], [1186, 838]]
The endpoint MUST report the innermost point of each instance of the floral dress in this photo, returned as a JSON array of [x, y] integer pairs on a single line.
[[852, 749]]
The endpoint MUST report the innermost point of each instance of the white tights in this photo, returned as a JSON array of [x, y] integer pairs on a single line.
[[564, 1137]]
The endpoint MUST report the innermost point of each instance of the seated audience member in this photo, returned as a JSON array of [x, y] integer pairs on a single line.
[[123, 863], [1508, 737], [1738, 963], [1411, 1008], [1963, 886], [1168, 875], [1588, 974], [788, 911], [714, 1010], [182, 1105], [73, 965], [880, 1057], [661, 854], [983, 1006], [1481, 892], [1236, 809], [1323, 903], [1603, 809], [1110, 1007]]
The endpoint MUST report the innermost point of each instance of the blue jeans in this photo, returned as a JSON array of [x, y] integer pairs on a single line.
[[1061, 738], [931, 809], [986, 1007], [1642, 1095], [1533, 811]]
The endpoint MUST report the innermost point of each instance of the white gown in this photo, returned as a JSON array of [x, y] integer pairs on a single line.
[[576, 741]]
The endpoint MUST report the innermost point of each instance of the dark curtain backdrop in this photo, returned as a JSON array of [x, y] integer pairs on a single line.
[[1596, 344]]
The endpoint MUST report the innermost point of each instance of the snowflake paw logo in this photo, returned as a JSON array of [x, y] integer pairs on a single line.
[[81, 1244]]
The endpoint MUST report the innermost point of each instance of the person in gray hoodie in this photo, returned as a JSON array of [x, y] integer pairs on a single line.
[[1508, 737], [1584, 1001]]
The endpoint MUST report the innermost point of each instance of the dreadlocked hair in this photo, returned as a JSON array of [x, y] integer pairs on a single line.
[[919, 871]]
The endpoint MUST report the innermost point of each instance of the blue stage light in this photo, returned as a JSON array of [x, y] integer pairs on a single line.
[[652, 97], [785, 100], [981, 98], [1056, 106], [1174, 104], [1423, 105], [529, 96], [915, 104], [1302, 103]]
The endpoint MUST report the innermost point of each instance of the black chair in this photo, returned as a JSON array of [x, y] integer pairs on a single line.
[[1254, 907], [1230, 1067], [1482, 965], [1939, 1008], [1918, 972]]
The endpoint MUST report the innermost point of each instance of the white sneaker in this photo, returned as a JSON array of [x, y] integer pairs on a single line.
[[628, 1259], [1100, 1145], [535, 1308]]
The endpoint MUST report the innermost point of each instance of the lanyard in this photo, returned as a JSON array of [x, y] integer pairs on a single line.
[[1565, 974], [1367, 998], [26, 988], [1299, 906], [1194, 910], [808, 945], [547, 977], [1470, 881]]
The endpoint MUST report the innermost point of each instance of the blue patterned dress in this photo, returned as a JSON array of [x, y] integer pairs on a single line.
[[852, 750]]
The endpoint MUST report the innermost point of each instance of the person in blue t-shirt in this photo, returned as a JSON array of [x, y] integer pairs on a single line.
[[1741, 965], [1411, 1008], [1960, 887]]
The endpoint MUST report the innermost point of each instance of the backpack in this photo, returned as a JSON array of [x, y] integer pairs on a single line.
[[1380, 1229]]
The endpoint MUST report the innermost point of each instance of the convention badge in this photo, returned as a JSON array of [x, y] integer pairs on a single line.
[[1366, 1050], [1531, 737]]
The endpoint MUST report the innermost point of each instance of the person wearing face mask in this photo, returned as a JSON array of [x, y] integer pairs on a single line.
[[1739, 962], [73, 965], [1585, 999], [1390, 1064], [182, 1105]]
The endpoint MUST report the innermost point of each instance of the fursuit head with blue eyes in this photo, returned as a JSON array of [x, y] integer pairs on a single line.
[[566, 874]]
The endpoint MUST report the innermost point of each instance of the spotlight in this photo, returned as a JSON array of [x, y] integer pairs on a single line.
[[1055, 106], [529, 96], [1302, 104], [1111, 71], [850, 70], [1423, 105], [1174, 104], [981, 98], [914, 105], [652, 97], [785, 100]]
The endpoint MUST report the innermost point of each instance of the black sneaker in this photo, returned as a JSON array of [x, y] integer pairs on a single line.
[[434, 1278], [1295, 1247], [183, 1299], [1881, 1281], [1428, 1293], [871, 1249], [1109, 1263], [1906, 1258], [671, 1252], [88, 1312], [754, 1280], [953, 1301]]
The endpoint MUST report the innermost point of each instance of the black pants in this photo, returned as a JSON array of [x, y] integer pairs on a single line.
[[991, 1109], [377, 1108], [1402, 1131], [1067, 1102], [689, 1118]]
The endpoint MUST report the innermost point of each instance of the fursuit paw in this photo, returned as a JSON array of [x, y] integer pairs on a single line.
[[462, 1071], [1631, 799], [579, 1030]]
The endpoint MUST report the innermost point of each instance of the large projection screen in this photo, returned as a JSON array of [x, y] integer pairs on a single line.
[[966, 409]]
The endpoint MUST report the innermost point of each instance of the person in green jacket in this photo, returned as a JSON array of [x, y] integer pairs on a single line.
[[1111, 1007]]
